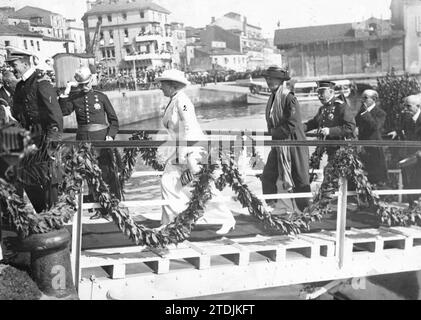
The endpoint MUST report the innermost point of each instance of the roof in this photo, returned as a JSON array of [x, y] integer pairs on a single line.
[[219, 51], [324, 33], [29, 11], [121, 7], [11, 30]]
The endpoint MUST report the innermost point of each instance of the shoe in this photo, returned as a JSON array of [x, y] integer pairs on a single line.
[[226, 228]]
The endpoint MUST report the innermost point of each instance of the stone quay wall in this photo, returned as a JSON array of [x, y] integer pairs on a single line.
[[135, 106]]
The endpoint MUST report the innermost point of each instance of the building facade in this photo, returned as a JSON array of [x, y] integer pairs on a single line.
[[53, 24], [371, 46], [406, 16], [41, 46], [76, 33], [131, 35]]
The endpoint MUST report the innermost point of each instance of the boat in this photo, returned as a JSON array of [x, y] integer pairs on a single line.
[[306, 91]]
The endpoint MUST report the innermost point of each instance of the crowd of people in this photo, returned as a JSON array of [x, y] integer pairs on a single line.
[[33, 104]]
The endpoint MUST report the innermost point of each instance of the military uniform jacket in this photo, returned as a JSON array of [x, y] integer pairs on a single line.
[[336, 116], [92, 107], [36, 108]]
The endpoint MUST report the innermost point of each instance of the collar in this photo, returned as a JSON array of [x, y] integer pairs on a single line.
[[371, 107], [28, 74], [416, 116]]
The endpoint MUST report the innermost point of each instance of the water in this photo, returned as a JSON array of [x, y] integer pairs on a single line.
[[250, 117]]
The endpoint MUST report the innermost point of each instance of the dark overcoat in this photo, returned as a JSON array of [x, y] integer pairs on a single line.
[[370, 127]]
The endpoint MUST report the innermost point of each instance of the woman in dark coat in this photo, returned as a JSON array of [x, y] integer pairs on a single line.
[[288, 165]]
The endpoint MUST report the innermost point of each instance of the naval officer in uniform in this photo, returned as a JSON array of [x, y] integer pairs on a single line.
[[36, 108], [96, 119], [334, 120]]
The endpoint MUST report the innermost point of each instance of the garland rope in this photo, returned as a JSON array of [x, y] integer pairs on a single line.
[[81, 164]]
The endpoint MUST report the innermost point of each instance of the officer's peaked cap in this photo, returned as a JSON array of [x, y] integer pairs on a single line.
[[324, 84], [16, 54]]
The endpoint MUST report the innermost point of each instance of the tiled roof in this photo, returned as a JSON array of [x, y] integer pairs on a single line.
[[334, 32], [6, 29], [121, 7], [28, 11], [313, 34]]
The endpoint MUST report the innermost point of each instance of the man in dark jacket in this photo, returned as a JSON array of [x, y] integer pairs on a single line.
[[411, 131], [36, 108], [283, 117], [334, 120], [370, 120]]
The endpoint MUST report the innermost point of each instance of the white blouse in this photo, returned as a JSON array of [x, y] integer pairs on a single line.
[[181, 123]]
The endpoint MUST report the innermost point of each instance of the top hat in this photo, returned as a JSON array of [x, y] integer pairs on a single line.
[[277, 73], [173, 75]]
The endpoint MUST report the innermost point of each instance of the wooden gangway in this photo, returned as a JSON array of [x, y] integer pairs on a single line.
[[225, 265]]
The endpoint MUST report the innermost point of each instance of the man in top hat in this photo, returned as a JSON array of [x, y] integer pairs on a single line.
[[334, 120], [96, 119], [36, 108], [287, 168]]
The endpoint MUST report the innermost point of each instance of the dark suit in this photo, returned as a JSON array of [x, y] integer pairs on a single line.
[[336, 116], [370, 127], [36, 108], [412, 174], [289, 128]]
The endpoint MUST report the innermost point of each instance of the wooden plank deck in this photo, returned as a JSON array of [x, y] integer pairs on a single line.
[[283, 260]]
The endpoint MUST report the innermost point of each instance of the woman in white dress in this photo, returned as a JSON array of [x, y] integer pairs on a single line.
[[181, 123]]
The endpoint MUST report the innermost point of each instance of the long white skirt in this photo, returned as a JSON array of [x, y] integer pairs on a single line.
[[216, 212]]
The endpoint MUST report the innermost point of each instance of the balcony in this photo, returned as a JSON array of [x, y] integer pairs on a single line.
[[152, 37], [149, 56]]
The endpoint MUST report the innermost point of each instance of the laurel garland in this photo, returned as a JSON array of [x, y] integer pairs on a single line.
[[81, 164], [21, 217], [347, 164]]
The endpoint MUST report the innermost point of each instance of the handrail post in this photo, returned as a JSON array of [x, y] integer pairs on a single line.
[[341, 221], [77, 240]]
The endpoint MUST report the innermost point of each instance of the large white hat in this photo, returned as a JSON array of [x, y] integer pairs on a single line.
[[173, 75]]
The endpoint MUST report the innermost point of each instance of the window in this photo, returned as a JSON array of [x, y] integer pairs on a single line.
[[126, 33], [32, 43], [38, 46], [108, 54], [25, 44], [142, 14], [124, 16], [7, 43], [110, 18], [103, 53], [113, 53], [373, 56], [127, 50], [226, 60], [101, 35], [111, 34], [100, 18]]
